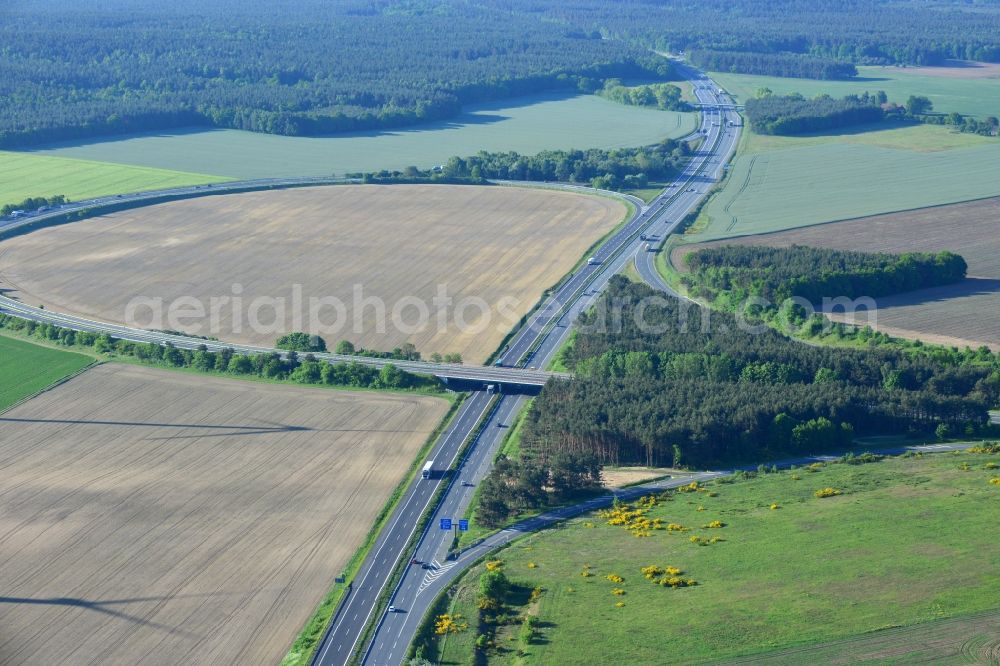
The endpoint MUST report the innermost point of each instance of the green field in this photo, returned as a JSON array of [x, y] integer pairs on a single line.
[[26, 369], [970, 97], [25, 175], [784, 182], [527, 125], [903, 544]]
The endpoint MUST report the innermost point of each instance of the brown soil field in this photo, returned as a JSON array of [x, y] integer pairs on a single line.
[[398, 243], [954, 69], [616, 477], [155, 517], [966, 314]]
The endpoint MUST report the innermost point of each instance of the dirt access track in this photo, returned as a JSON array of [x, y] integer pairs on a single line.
[[391, 255], [963, 314], [157, 517]]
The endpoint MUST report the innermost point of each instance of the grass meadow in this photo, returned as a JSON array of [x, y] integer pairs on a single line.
[[26, 369], [526, 125], [25, 175], [779, 183], [903, 543], [968, 96]]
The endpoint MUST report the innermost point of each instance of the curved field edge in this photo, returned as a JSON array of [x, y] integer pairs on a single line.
[[903, 544], [780, 183], [25, 175], [310, 638], [27, 369], [526, 125]]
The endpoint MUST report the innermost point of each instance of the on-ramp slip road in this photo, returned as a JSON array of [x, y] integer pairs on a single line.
[[533, 346]]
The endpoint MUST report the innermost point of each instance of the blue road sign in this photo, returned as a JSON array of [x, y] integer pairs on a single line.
[[446, 523], [463, 525]]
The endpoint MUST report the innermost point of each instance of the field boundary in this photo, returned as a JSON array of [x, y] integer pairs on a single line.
[[332, 601]]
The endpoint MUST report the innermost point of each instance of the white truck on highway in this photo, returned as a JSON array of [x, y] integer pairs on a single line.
[[428, 470]]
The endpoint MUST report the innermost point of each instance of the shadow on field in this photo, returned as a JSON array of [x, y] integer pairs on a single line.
[[968, 287], [101, 607]]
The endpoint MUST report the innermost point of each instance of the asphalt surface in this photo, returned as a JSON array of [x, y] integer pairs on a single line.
[[533, 346]]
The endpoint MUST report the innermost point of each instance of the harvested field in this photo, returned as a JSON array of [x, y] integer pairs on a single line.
[[155, 517], [952, 69], [955, 315], [384, 252]]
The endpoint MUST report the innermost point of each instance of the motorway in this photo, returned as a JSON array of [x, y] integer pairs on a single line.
[[533, 346]]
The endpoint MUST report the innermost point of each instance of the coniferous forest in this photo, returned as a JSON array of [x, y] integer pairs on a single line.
[[80, 69]]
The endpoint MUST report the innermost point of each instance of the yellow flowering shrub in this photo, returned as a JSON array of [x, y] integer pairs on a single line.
[[986, 447], [674, 527], [692, 487], [615, 578], [991, 465], [795, 477], [494, 565], [532, 565], [715, 524], [995, 480], [449, 624], [652, 571], [618, 591], [536, 593], [620, 604], [775, 506], [827, 492], [965, 467]]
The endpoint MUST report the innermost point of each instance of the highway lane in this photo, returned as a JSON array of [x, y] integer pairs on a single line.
[[356, 610], [536, 344]]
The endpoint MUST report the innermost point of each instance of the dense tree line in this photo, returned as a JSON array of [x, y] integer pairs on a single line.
[[858, 31], [662, 381], [33, 203], [663, 96], [514, 486], [796, 65], [779, 273], [312, 67], [794, 114], [290, 367], [620, 168]]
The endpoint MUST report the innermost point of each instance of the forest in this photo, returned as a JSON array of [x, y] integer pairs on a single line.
[[780, 273], [621, 168], [794, 114], [876, 32], [795, 65], [72, 70], [661, 381]]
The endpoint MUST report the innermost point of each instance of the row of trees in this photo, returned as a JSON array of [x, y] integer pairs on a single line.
[[660, 381], [796, 65], [663, 96], [310, 67], [779, 273], [794, 114], [33, 203], [290, 367], [620, 168]]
